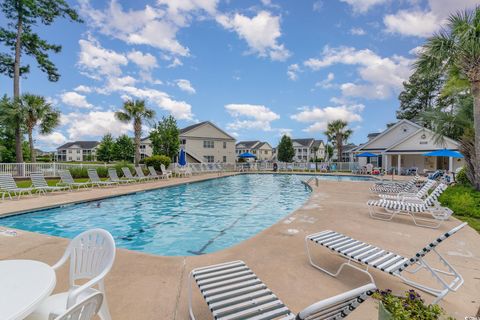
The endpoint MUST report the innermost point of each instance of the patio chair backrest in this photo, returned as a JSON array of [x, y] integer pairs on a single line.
[[66, 176], [162, 168], [84, 310], [127, 173], [427, 186], [152, 171], [7, 182], [112, 174], [93, 175], [433, 197], [431, 246], [139, 172], [38, 180]]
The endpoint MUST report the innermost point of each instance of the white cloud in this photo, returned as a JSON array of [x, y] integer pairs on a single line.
[[293, 71], [362, 6], [358, 32], [318, 6], [257, 117], [83, 89], [93, 124], [97, 60], [145, 61], [261, 33], [326, 83], [53, 139], [74, 99], [416, 51], [319, 117], [424, 22], [382, 75], [185, 85]]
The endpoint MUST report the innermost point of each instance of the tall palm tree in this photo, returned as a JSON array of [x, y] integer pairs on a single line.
[[38, 112], [457, 48], [338, 133], [137, 111]]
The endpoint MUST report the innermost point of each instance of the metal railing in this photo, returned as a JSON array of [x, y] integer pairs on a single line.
[[49, 169]]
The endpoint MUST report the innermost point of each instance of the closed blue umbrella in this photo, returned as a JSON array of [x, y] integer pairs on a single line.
[[444, 153], [247, 155], [182, 158], [366, 155]]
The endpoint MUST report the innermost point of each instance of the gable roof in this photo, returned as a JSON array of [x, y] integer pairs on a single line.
[[398, 143], [304, 142], [200, 124], [248, 144], [317, 143], [81, 144]]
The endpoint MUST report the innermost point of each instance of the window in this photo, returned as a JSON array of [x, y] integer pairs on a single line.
[[224, 145], [78, 151], [69, 151], [69, 158], [183, 141], [208, 144], [224, 158], [209, 159]]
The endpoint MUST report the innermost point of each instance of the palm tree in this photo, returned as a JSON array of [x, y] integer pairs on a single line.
[[137, 111], [457, 49], [338, 133], [37, 111]]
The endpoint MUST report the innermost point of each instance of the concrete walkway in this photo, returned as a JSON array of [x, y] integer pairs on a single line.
[[143, 286]]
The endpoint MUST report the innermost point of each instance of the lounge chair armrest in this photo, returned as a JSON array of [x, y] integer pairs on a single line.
[[361, 292]]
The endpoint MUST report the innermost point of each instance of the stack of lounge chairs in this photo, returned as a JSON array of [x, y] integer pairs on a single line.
[[395, 187]]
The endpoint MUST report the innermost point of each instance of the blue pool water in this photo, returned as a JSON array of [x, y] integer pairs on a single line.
[[188, 219]]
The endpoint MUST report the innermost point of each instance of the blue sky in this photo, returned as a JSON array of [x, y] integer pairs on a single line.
[[258, 68]]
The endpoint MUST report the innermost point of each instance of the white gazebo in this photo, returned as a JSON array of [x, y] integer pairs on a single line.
[[402, 146]]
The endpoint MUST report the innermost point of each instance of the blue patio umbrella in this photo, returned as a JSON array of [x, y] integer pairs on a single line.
[[444, 153], [182, 158], [247, 155], [366, 155]]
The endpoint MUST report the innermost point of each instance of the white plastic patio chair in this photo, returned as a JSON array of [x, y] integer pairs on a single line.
[[40, 184], [91, 255], [9, 187], [358, 252], [84, 310], [167, 173], [233, 291], [67, 180], [430, 208]]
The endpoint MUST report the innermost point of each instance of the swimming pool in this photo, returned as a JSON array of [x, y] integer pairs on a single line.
[[187, 219]]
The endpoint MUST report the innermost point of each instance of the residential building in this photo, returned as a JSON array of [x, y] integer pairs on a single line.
[[77, 151], [261, 149], [205, 142], [347, 153], [402, 145], [308, 149], [146, 149]]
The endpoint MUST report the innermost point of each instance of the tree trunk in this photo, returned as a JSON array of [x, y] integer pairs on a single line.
[[137, 129], [33, 157], [476, 126], [339, 149], [16, 86]]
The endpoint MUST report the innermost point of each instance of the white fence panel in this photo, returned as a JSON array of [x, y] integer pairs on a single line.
[[49, 169]]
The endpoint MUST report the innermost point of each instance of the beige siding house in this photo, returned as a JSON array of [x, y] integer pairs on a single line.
[[262, 150], [205, 142], [77, 151], [402, 147]]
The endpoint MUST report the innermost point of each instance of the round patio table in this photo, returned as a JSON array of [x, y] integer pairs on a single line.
[[24, 284]]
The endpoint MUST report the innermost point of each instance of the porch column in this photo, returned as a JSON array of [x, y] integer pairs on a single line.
[[385, 162], [450, 164], [399, 164]]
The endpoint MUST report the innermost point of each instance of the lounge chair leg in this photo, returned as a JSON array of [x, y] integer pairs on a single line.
[[190, 310]]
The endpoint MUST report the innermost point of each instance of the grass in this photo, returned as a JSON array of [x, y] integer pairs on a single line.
[[51, 182], [464, 201]]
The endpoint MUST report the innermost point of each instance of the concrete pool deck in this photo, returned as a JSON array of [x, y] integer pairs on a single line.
[[143, 286]]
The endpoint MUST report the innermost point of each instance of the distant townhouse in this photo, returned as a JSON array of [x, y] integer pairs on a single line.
[[146, 149], [205, 142], [77, 151], [308, 149], [261, 149], [347, 153]]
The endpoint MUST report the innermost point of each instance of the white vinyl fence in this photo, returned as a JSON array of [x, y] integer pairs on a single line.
[[49, 169]]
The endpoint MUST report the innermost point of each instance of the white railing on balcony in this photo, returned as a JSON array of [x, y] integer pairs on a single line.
[[49, 169]]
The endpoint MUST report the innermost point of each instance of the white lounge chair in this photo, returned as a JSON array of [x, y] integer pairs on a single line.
[[96, 181], [66, 179], [404, 196], [233, 291], [91, 255], [154, 175], [84, 310], [395, 187], [167, 173], [113, 176], [9, 187], [429, 207], [40, 184], [128, 174], [391, 263], [141, 175]]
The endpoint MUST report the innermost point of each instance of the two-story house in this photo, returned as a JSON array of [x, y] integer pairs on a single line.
[[77, 151], [261, 149], [308, 149]]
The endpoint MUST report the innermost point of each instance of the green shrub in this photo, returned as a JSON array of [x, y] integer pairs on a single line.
[[156, 161], [78, 172], [118, 166], [463, 200], [462, 177]]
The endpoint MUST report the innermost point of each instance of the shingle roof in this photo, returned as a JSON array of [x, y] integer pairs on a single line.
[[317, 143], [196, 125], [248, 144], [304, 142], [81, 144]]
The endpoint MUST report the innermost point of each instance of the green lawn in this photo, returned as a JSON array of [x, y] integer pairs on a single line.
[[464, 202], [51, 182]]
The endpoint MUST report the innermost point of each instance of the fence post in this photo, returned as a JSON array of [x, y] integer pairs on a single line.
[[24, 173], [54, 169]]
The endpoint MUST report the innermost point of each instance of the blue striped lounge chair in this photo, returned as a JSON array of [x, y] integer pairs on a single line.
[[233, 291], [395, 187], [359, 253]]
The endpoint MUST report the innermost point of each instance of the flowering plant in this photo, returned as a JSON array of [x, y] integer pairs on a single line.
[[408, 307]]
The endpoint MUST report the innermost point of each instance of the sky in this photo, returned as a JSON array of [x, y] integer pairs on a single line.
[[256, 68]]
